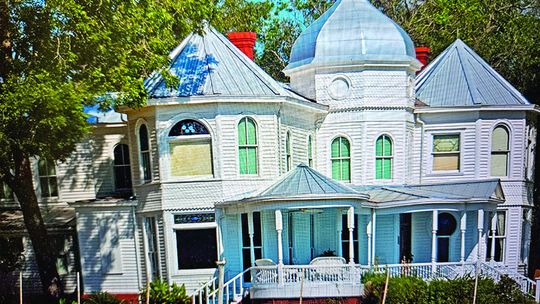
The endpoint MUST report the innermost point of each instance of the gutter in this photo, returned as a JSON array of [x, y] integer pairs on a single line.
[[533, 108]]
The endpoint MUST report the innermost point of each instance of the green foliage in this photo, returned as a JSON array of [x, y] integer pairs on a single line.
[[414, 290], [102, 298], [11, 256], [162, 293]]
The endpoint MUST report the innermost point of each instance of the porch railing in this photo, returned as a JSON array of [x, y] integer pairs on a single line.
[[351, 275]]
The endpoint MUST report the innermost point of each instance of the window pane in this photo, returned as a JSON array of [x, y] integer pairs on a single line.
[[379, 147], [387, 168], [191, 159], [121, 155], [345, 148], [499, 139], [143, 138], [242, 158], [251, 132], [147, 174], [122, 177], [378, 168], [53, 186], [252, 160], [196, 248], [499, 164], [242, 132], [42, 167], [51, 168], [257, 235], [445, 162], [501, 223], [335, 148], [445, 143], [336, 170], [346, 170], [44, 185], [387, 146]]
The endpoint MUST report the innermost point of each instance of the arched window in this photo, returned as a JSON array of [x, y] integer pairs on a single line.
[[122, 171], [144, 148], [190, 147], [310, 151], [341, 159], [383, 157], [247, 146], [500, 150], [288, 151], [446, 226]]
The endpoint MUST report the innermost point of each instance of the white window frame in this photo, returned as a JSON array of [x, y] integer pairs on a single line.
[[508, 152], [139, 124], [48, 177], [195, 226], [432, 135], [256, 146]]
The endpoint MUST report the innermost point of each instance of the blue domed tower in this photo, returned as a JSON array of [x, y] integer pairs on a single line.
[[362, 65], [355, 40]]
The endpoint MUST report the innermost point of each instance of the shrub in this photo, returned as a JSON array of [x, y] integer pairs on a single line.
[[162, 293], [414, 290], [102, 298]]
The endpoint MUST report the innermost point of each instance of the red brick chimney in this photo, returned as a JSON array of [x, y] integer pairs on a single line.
[[245, 41], [422, 54]]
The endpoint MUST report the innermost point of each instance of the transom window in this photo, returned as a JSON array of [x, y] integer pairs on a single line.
[[288, 151], [310, 152], [383, 157], [47, 178], [247, 146], [446, 152], [144, 149], [122, 171], [500, 150], [190, 148], [341, 159]]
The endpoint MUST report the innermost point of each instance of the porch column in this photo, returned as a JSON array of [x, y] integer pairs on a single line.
[[279, 229], [251, 234], [350, 225], [339, 227], [463, 226], [480, 228], [434, 228], [493, 233], [373, 234], [369, 230]]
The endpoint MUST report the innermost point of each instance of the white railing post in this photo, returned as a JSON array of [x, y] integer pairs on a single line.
[[221, 278]]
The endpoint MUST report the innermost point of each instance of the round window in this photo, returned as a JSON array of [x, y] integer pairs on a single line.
[[339, 88], [447, 224]]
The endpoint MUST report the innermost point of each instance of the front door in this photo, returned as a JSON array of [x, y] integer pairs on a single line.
[[300, 238]]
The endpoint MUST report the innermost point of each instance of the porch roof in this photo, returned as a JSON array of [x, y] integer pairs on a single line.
[[462, 190], [303, 183], [55, 218]]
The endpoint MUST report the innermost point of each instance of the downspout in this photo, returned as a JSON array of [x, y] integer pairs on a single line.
[[422, 130], [280, 156]]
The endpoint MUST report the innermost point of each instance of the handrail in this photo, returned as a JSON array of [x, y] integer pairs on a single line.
[[227, 288], [203, 291]]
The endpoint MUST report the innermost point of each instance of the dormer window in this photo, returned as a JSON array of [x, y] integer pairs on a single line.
[[190, 148]]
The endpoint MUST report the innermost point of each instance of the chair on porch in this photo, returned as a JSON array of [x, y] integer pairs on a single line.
[[326, 272], [266, 275]]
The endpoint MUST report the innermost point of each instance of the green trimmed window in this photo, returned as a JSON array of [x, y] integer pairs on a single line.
[[500, 150], [341, 159], [384, 155], [247, 146], [310, 151], [288, 151], [47, 178], [446, 152]]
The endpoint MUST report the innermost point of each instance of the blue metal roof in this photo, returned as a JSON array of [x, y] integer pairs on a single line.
[[211, 65], [305, 182], [460, 77], [462, 190], [352, 31]]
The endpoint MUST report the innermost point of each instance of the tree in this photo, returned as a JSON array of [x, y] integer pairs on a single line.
[[57, 56]]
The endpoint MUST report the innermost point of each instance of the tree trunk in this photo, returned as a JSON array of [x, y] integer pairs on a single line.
[[22, 186]]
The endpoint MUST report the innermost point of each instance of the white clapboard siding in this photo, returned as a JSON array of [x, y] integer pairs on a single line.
[[75, 176], [104, 140], [95, 276]]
